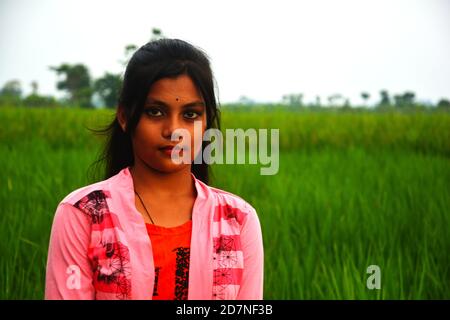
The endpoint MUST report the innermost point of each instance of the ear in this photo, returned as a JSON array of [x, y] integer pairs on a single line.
[[121, 118]]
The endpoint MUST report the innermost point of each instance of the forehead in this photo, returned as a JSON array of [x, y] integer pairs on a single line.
[[181, 88]]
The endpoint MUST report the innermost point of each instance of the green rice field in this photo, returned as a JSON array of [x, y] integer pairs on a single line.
[[352, 190]]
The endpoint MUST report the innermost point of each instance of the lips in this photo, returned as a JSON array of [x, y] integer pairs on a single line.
[[167, 147], [167, 150]]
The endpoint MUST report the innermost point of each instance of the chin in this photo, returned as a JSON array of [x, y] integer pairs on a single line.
[[169, 167]]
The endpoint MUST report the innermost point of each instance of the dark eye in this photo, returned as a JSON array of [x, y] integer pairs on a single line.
[[153, 112], [192, 115]]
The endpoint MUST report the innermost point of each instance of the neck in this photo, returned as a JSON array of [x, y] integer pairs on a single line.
[[147, 180]]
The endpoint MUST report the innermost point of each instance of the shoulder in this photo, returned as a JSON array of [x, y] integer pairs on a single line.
[[226, 197], [94, 200], [229, 204], [96, 194], [78, 194]]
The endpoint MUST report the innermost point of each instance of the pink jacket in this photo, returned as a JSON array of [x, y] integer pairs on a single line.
[[100, 249]]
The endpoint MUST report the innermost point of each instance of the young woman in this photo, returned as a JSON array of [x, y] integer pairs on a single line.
[[154, 228]]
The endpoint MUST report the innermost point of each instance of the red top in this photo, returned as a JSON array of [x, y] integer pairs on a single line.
[[171, 248]]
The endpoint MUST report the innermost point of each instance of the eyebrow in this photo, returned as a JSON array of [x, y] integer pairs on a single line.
[[187, 105]]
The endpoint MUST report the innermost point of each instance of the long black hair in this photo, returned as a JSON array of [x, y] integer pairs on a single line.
[[163, 58]]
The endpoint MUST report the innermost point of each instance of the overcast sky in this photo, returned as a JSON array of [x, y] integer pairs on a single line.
[[260, 49]]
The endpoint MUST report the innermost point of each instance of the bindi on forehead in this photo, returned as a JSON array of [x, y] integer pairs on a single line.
[[174, 97], [166, 103]]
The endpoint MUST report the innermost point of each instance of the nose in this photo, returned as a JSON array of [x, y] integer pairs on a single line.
[[169, 126]]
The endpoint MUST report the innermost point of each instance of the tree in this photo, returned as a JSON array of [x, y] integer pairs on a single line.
[[334, 99], [11, 94], [34, 87], [35, 100], [347, 104], [318, 102], [244, 100], [77, 83], [365, 96], [12, 88], [130, 49], [443, 105], [108, 88], [293, 100], [385, 100], [156, 34], [404, 100], [128, 52], [409, 98]]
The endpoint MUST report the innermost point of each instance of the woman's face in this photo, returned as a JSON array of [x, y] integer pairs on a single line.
[[172, 103]]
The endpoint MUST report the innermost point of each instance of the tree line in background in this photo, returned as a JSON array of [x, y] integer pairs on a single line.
[[76, 82], [80, 88], [404, 101]]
